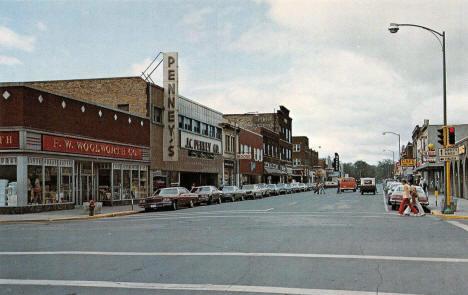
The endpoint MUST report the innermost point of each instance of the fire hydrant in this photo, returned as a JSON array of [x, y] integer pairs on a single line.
[[91, 208]]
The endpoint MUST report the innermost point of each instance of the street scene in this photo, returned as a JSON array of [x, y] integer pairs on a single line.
[[301, 243], [233, 147]]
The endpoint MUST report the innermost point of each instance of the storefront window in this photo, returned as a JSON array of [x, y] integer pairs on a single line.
[[117, 184], [135, 184], [126, 184], [50, 185], [8, 196], [104, 182], [66, 185], [34, 184], [143, 183]]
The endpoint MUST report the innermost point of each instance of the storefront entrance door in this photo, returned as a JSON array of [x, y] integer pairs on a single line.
[[85, 188]]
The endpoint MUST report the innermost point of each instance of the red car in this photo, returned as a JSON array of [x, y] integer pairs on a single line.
[[348, 183], [397, 197], [173, 197]]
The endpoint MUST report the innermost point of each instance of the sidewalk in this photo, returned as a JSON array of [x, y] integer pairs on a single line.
[[462, 207], [75, 214]]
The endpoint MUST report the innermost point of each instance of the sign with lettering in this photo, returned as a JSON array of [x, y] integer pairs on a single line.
[[86, 147], [9, 140], [170, 117], [199, 143], [244, 156], [408, 162]]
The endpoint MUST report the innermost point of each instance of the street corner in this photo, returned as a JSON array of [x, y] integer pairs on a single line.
[[72, 218], [448, 216]]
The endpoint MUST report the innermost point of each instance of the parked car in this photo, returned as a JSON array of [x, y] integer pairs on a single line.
[[397, 197], [173, 197], [392, 187], [282, 188], [311, 186], [233, 193], [329, 184], [252, 191], [294, 187], [302, 187], [368, 185], [347, 183], [208, 194], [274, 189], [265, 190]]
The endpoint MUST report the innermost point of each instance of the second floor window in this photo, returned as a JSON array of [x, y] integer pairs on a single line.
[[157, 114]]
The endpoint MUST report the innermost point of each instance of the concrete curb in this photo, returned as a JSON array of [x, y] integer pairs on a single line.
[[114, 214], [447, 216]]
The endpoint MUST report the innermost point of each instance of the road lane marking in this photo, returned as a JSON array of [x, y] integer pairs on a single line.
[[189, 287], [393, 216], [242, 254], [269, 209], [459, 224]]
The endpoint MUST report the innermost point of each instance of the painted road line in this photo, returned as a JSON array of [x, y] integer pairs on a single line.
[[242, 254], [393, 216], [459, 224], [189, 287], [268, 210]]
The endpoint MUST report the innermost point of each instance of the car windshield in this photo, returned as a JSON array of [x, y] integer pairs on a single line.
[[248, 186], [228, 188], [271, 186], [367, 181], [168, 191]]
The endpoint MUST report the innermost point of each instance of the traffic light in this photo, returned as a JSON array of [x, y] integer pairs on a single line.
[[451, 135], [441, 135]]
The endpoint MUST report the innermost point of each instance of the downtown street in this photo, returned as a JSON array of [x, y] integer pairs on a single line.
[[300, 243]]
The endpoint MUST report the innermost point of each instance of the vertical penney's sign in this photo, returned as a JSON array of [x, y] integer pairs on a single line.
[[170, 118]]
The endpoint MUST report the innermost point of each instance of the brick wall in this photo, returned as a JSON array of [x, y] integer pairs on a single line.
[[24, 109], [107, 91], [255, 141]]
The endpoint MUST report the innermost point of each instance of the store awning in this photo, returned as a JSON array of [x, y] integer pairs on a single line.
[[273, 171], [430, 166]]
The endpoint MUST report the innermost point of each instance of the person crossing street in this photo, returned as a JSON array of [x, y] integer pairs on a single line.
[[406, 199]]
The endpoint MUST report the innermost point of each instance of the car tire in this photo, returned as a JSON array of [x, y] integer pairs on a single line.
[[148, 210], [362, 193], [210, 201], [191, 204], [354, 190], [174, 206]]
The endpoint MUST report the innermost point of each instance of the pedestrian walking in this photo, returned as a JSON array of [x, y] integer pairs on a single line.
[[406, 199], [338, 191], [415, 199], [322, 188], [316, 188]]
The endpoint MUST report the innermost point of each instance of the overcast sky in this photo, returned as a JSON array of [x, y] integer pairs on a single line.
[[334, 64]]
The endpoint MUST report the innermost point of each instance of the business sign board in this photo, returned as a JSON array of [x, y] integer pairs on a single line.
[[447, 152], [408, 162], [170, 117], [243, 156], [87, 147], [9, 140], [199, 143], [461, 149]]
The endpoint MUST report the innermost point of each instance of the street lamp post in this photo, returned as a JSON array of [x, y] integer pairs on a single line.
[[393, 28]]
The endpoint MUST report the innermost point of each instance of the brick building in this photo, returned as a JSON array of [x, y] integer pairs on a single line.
[[230, 152], [303, 159], [197, 123], [58, 151], [250, 156], [276, 129]]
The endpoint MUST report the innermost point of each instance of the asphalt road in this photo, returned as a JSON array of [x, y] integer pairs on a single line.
[[294, 244]]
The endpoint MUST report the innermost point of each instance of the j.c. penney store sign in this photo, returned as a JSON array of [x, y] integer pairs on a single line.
[[199, 143]]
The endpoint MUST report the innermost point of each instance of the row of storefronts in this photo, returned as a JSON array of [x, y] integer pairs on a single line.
[[63, 143]]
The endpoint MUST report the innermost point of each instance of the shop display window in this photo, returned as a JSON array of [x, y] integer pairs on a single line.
[[66, 185], [116, 189], [50, 185], [143, 183], [104, 184], [126, 193], [135, 184], [35, 189], [8, 196]]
